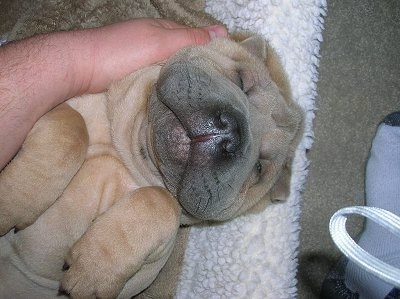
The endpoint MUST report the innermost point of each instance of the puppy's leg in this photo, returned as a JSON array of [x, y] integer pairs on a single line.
[[50, 156], [131, 241]]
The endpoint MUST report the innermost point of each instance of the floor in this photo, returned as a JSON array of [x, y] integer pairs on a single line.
[[359, 84]]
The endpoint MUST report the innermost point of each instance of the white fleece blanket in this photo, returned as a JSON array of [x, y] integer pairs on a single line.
[[256, 256]]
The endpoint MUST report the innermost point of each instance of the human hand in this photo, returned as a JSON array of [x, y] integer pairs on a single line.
[[122, 48], [41, 72]]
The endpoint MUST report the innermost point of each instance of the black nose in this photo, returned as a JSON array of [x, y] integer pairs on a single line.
[[218, 135], [228, 136]]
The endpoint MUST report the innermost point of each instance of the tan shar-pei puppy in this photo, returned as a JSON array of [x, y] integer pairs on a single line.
[[102, 183]]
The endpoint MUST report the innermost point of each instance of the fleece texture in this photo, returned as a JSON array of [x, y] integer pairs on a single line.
[[255, 256]]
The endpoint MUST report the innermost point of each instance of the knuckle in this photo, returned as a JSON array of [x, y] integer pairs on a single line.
[[197, 36]]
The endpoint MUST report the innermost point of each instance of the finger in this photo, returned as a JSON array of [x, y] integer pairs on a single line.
[[167, 24], [213, 30]]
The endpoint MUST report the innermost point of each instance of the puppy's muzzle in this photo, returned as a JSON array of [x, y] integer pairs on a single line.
[[201, 137]]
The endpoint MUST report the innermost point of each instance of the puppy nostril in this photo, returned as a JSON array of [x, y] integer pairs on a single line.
[[225, 121], [227, 146], [220, 121], [230, 143], [227, 135]]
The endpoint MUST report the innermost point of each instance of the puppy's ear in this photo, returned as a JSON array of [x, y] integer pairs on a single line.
[[256, 45], [281, 189]]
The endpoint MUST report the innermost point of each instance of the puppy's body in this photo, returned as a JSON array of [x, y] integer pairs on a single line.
[[215, 126], [102, 182]]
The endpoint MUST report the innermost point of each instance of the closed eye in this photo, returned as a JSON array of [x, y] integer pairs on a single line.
[[259, 166], [245, 80], [240, 82]]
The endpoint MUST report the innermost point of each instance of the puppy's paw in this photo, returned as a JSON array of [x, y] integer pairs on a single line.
[[90, 271], [16, 209], [50, 156], [13, 217], [5, 224], [130, 242]]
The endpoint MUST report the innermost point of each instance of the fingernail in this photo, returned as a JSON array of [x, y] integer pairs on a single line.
[[216, 31]]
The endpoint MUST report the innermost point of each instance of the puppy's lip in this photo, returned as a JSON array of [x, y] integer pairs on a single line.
[[203, 138], [171, 134]]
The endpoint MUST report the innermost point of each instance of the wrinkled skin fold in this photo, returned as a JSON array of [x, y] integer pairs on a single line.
[[210, 115]]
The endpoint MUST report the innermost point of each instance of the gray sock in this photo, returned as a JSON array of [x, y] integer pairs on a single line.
[[383, 191]]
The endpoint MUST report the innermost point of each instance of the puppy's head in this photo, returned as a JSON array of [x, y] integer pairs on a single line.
[[224, 128]]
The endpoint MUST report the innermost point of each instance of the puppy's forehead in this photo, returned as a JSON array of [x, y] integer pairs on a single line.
[[222, 57], [229, 48], [220, 52]]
